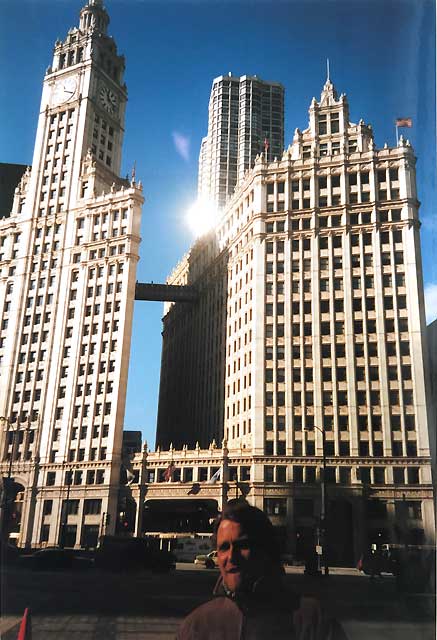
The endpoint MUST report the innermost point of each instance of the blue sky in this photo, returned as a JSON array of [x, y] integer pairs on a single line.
[[382, 55]]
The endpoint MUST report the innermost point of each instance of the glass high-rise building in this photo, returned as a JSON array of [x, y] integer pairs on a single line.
[[245, 118]]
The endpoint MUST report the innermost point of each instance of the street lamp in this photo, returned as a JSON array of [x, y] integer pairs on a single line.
[[14, 441], [7, 481], [64, 512], [323, 520]]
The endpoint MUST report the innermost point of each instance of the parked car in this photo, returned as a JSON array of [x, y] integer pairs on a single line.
[[186, 548], [209, 561], [132, 554], [287, 559], [52, 558], [161, 561], [9, 554]]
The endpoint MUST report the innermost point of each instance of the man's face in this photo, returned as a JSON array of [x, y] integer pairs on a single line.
[[238, 564]]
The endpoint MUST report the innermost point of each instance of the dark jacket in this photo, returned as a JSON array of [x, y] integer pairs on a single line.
[[268, 613]]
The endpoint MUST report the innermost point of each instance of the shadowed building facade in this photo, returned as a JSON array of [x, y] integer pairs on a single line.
[[10, 176]]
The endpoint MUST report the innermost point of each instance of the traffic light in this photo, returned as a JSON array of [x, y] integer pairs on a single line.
[[11, 516], [10, 490]]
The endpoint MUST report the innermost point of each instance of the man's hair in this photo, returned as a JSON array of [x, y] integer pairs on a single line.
[[255, 524]]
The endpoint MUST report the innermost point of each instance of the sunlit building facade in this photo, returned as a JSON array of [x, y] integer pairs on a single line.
[[312, 281], [68, 256]]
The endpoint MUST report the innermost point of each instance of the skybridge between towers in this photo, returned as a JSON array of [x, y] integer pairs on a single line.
[[165, 292]]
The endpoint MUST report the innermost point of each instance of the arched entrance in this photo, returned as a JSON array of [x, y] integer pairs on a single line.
[[179, 516]]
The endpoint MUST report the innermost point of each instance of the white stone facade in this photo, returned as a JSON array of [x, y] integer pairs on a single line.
[[316, 260], [69, 252]]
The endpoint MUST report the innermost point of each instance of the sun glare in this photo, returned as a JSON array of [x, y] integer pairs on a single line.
[[201, 217]]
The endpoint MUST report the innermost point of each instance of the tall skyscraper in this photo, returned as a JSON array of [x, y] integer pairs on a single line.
[[246, 115], [310, 331], [68, 256]]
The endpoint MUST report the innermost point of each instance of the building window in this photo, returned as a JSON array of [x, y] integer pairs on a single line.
[[275, 506], [45, 531], [187, 474], [297, 474], [47, 507], [413, 475], [268, 448], [399, 476], [70, 507], [269, 474], [92, 506]]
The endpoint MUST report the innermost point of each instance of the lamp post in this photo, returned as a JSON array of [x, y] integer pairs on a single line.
[[323, 521], [7, 480], [64, 512], [14, 442], [225, 473]]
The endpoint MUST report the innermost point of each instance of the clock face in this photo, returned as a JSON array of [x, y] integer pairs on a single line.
[[64, 90], [108, 100]]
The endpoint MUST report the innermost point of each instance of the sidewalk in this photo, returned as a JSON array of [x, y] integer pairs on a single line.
[[334, 571], [90, 627], [7, 623]]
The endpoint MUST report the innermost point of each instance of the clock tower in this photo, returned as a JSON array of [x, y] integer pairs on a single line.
[[82, 110], [68, 257]]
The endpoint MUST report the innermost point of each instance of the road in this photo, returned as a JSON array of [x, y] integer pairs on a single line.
[[97, 605]]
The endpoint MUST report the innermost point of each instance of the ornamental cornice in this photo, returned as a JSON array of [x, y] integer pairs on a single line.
[[185, 462], [19, 466], [170, 491], [401, 492], [9, 224], [256, 489], [77, 466], [216, 458], [85, 491], [276, 491]]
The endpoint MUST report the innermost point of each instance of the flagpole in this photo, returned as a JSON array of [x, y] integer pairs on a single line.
[[397, 135], [225, 474]]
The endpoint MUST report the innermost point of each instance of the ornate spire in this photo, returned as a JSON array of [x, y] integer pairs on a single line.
[[94, 17], [329, 94]]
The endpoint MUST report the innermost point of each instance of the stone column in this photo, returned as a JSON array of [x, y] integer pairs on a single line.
[[428, 519]]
